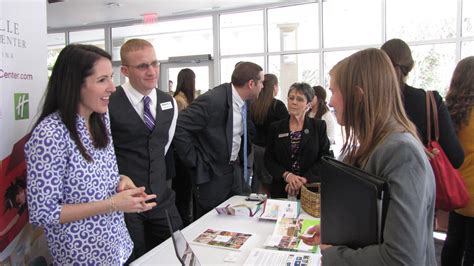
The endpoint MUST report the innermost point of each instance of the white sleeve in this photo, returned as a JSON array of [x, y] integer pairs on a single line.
[[331, 126]]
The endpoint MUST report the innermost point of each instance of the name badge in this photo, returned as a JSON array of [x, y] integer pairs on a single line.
[[166, 106], [282, 135]]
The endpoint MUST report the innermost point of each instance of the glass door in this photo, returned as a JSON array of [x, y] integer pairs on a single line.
[[203, 70]]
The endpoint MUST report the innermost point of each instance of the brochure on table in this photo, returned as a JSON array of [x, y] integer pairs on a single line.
[[273, 209], [286, 235], [245, 208], [259, 256], [222, 239]]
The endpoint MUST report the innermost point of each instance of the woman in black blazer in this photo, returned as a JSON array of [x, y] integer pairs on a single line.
[[295, 145], [414, 101]]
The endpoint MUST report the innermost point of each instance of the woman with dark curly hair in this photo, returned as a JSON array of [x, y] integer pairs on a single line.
[[459, 242]]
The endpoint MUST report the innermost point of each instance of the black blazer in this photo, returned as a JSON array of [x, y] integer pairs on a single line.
[[414, 101], [203, 138], [313, 145], [276, 112]]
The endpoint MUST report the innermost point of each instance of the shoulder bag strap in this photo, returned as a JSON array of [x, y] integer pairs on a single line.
[[428, 117], [435, 115]]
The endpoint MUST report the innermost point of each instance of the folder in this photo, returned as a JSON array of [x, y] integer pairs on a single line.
[[353, 205]]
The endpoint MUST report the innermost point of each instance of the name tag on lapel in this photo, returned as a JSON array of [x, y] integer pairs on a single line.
[[166, 106], [282, 135]]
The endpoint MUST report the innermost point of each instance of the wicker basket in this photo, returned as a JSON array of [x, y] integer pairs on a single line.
[[311, 201]]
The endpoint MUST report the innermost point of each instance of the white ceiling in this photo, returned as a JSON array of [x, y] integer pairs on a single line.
[[83, 13]]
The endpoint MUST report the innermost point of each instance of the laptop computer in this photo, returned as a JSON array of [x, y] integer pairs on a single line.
[[183, 250], [354, 204]]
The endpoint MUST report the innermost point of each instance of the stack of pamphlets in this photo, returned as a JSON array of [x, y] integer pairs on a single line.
[[260, 256]]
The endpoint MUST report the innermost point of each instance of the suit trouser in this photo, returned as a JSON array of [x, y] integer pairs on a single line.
[[182, 186], [148, 229], [209, 195]]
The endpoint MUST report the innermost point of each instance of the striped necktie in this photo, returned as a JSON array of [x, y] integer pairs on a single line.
[[147, 116]]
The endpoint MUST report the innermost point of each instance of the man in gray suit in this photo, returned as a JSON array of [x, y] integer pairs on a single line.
[[209, 137], [143, 121]]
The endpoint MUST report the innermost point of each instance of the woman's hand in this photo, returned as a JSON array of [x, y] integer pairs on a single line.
[[294, 183], [125, 183], [133, 200], [314, 238]]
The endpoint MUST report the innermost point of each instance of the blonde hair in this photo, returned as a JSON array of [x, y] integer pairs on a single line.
[[133, 45], [372, 103]]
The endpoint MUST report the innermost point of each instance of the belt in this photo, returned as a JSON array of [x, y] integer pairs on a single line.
[[232, 162]]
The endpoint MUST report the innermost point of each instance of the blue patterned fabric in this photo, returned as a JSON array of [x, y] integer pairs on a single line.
[[57, 175]]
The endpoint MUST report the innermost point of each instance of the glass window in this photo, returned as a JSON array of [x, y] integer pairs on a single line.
[[331, 59], [434, 65], [93, 37], [293, 68], [467, 17], [467, 49], [241, 33], [56, 42], [228, 65], [347, 22], [300, 23], [170, 38], [421, 20]]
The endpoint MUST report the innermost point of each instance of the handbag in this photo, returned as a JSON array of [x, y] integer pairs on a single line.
[[451, 192]]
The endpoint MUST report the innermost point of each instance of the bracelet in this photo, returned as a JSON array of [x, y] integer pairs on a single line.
[[113, 207]]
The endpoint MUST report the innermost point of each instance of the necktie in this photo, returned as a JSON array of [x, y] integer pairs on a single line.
[[244, 127], [147, 116]]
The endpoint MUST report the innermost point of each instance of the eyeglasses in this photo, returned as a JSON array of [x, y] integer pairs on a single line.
[[144, 66]]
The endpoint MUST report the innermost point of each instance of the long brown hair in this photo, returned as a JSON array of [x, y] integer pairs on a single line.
[[320, 94], [372, 103], [259, 108], [460, 97], [186, 84], [74, 64], [400, 55]]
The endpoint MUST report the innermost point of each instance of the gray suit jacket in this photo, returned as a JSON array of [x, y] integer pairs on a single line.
[[408, 231]]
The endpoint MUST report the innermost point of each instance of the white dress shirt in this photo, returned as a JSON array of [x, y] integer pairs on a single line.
[[237, 129]]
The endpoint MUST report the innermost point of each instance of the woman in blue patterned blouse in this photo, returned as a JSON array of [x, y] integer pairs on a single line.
[[74, 189]]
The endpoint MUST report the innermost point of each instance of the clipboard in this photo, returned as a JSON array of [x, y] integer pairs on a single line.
[[354, 205]]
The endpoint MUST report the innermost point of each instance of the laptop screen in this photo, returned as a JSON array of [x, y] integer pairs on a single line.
[[181, 246]]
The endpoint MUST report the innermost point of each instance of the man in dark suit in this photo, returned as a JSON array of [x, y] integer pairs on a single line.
[[143, 121], [209, 136]]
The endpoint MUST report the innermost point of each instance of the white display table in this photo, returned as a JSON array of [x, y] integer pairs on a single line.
[[164, 254]]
